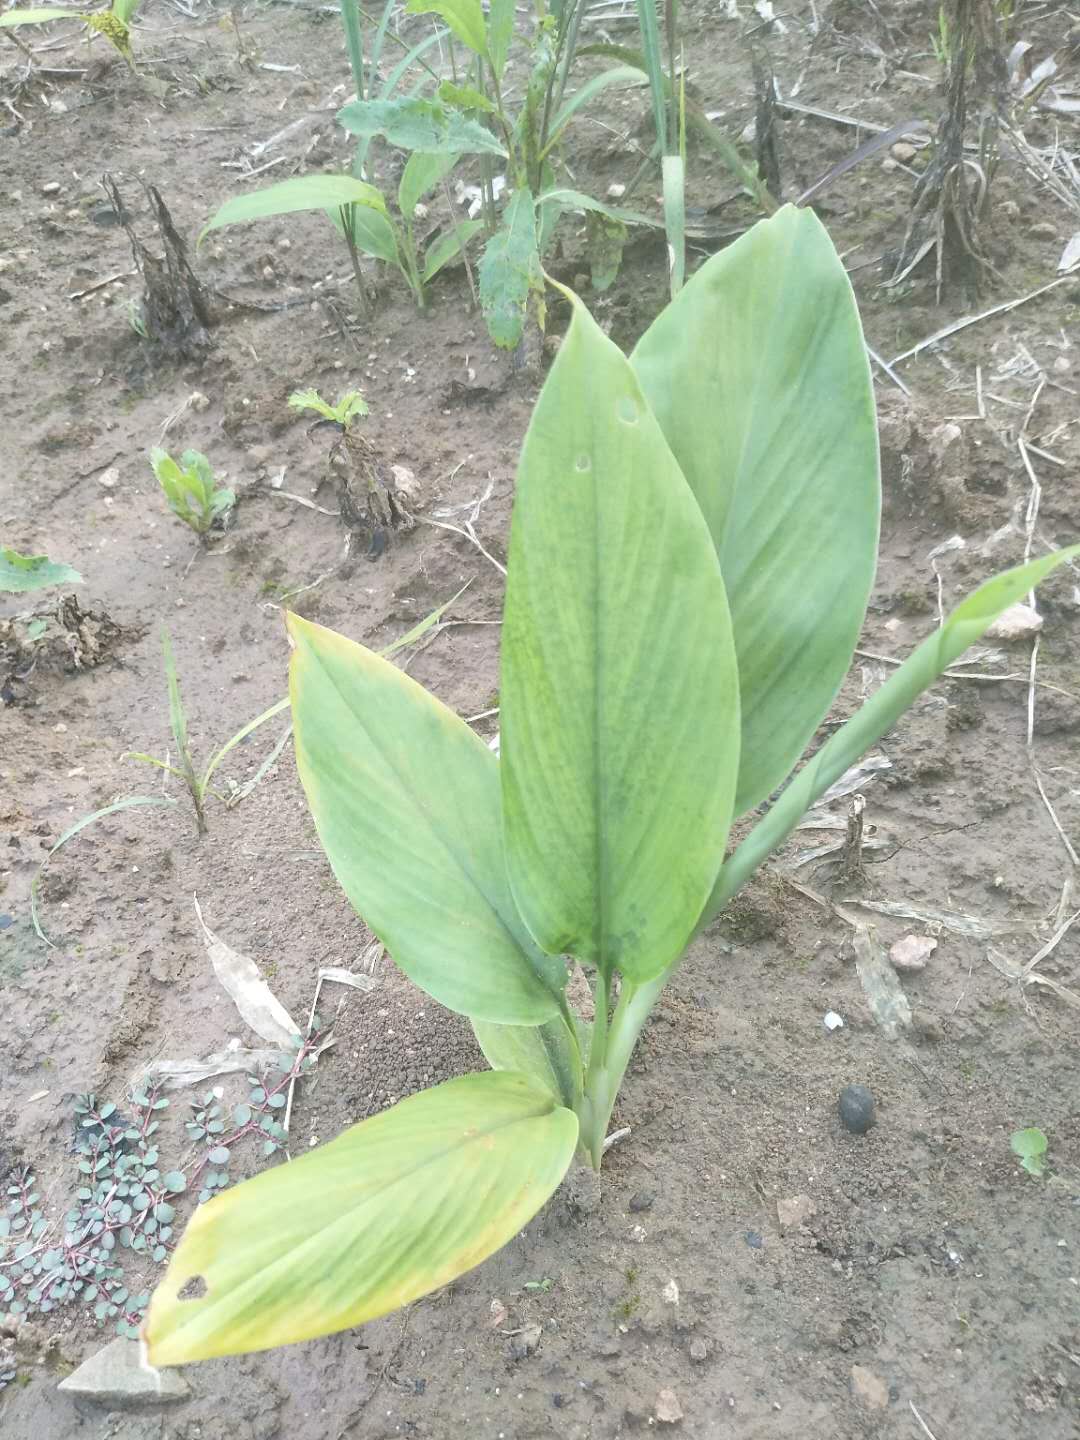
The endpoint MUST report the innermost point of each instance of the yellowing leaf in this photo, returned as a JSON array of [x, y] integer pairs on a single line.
[[392, 1209]]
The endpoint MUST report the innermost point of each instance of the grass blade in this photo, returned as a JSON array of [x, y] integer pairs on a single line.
[[69, 834]]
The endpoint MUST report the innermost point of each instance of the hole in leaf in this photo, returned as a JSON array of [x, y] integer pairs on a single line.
[[193, 1289], [582, 464], [626, 409]]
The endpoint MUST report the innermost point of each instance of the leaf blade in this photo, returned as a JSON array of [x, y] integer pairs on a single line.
[[608, 660], [21, 573], [962, 628], [509, 269], [392, 1209], [765, 339], [301, 192], [406, 801], [425, 126]]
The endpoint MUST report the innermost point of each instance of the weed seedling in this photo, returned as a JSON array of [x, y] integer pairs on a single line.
[[1029, 1146], [691, 554], [192, 491], [348, 407], [198, 786]]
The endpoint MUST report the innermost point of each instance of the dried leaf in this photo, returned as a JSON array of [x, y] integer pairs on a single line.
[[257, 1004], [954, 920], [234, 1059], [855, 778], [884, 994], [340, 976]]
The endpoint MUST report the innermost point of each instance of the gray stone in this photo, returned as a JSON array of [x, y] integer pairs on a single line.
[[116, 1377], [869, 1388], [856, 1108], [668, 1409], [794, 1211]]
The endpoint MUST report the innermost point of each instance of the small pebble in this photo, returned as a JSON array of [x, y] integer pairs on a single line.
[[856, 1107], [643, 1200], [910, 955], [668, 1409], [108, 478], [833, 1021], [616, 191], [1043, 230], [904, 152], [52, 187]]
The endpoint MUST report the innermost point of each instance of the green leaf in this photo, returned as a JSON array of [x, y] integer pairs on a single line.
[[509, 268], [619, 691], [421, 174], [605, 239], [406, 802], [416, 124], [464, 97], [373, 232], [302, 192], [550, 1054], [1030, 1146], [39, 16], [618, 75], [464, 17], [19, 573], [967, 623], [765, 341], [500, 32], [578, 200], [449, 244], [395, 1207]]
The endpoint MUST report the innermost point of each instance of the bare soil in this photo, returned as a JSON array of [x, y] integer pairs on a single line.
[[931, 1287]]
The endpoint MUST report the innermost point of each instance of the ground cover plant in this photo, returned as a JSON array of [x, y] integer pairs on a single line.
[[683, 601]]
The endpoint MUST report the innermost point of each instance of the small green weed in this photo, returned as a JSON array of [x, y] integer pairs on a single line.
[[1030, 1148], [191, 490], [348, 407]]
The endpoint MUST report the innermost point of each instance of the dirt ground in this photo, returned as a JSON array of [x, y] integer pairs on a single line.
[[930, 1287]]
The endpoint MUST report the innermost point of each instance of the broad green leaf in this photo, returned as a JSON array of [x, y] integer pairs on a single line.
[[500, 32], [509, 269], [967, 623], [550, 1054], [124, 9], [764, 340], [19, 573], [619, 693], [406, 802], [464, 17], [302, 192], [421, 174], [389, 1211], [418, 124], [39, 16], [449, 244]]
